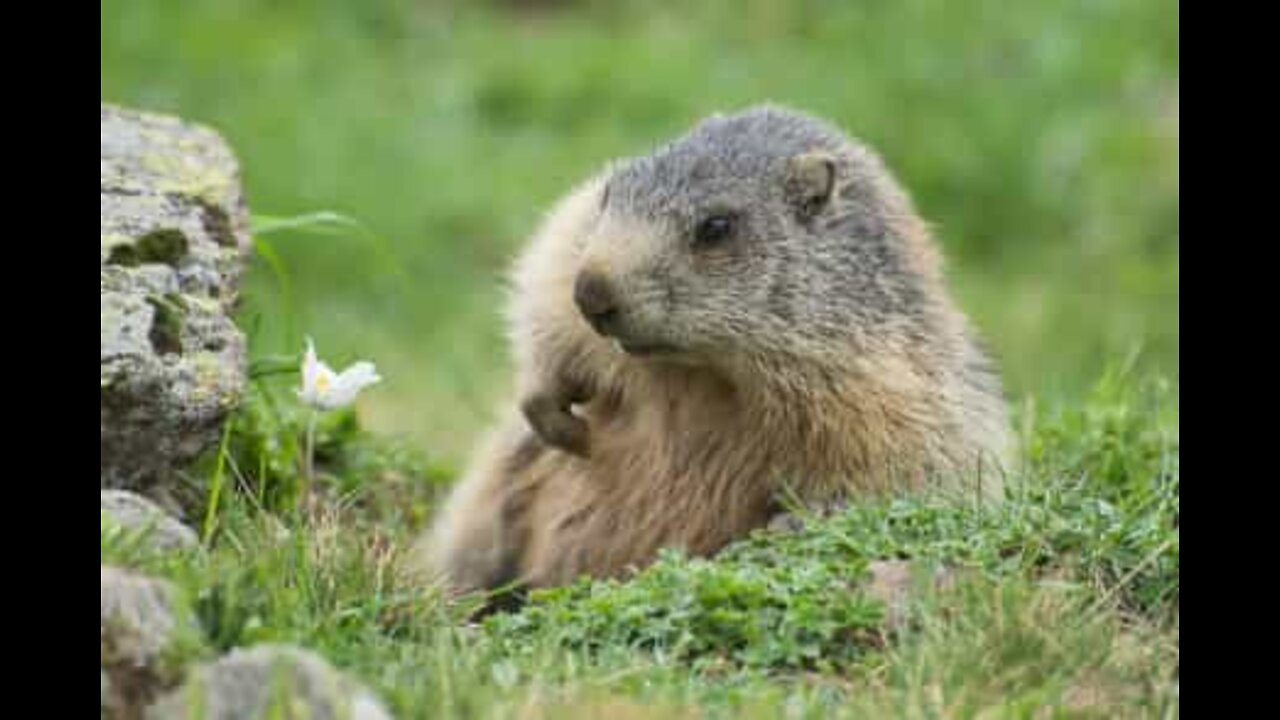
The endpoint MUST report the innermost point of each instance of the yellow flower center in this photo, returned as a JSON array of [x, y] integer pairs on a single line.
[[322, 383]]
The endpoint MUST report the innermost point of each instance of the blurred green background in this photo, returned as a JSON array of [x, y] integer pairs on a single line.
[[1041, 139]]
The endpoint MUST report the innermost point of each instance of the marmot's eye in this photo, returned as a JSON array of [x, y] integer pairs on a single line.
[[713, 230]]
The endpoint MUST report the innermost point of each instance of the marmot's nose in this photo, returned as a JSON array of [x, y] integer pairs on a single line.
[[595, 299]]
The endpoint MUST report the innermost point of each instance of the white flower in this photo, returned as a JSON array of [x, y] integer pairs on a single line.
[[325, 390]]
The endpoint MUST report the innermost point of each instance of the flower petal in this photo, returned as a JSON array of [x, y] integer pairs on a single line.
[[318, 379], [348, 385], [361, 374], [309, 366], [325, 390]]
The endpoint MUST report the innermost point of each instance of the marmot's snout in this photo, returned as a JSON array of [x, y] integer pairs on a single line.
[[596, 301]]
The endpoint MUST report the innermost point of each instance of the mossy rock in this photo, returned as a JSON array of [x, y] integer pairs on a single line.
[[174, 239]]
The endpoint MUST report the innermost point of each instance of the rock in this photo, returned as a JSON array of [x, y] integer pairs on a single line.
[[174, 240], [142, 626], [138, 617], [785, 522], [135, 513], [253, 683], [900, 583], [106, 710]]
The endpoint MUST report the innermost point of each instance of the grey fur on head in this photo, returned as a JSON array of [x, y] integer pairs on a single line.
[[813, 252]]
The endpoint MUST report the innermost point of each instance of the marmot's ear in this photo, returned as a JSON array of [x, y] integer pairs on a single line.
[[811, 180]]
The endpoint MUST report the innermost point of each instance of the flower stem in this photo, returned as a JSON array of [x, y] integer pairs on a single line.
[[310, 469]]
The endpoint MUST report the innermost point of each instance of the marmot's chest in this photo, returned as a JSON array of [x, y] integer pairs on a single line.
[[704, 436], [694, 439]]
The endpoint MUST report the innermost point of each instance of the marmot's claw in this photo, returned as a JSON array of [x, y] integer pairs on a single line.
[[569, 433], [558, 426]]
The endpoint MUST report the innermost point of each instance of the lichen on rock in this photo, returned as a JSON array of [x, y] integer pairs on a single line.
[[174, 238]]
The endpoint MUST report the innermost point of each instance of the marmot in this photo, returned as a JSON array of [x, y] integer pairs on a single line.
[[752, 311]]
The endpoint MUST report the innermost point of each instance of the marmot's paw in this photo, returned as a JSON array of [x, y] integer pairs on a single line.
[[554, 422]]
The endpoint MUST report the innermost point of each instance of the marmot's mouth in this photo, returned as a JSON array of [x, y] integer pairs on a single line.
[[644, 349]]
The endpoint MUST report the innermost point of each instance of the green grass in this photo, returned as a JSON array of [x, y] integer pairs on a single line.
[[1067, 596], [396, 154]]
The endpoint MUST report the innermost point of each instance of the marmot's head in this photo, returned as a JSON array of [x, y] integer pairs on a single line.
[[760, 232]]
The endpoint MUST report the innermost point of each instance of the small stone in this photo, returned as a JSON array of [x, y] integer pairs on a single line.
[[106, 695], [785, 523], [140, 625], [135, 513], [898, 584], [269, 681]]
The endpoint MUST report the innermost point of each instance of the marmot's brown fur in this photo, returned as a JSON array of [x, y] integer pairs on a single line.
[[751, 311]]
